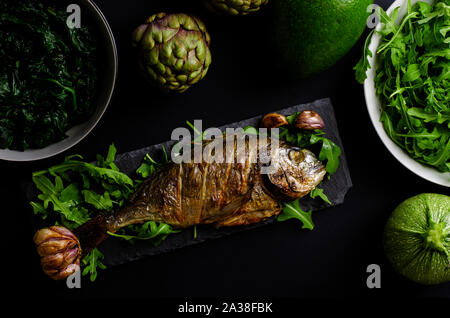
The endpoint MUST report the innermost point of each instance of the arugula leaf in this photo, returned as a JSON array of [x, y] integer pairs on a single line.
[[251, 130], [149, 165], [363, 64], [92, 262], [156, 232], [330, 152], [100, 202], [429, 116], [51, 193], [195, 232], [107, 174], [290, 119], [292, 210], [111, 156], [318, 192], [199, 135], [71, 193], [412, 73], [74, 203], [39, 209], [109, 161]]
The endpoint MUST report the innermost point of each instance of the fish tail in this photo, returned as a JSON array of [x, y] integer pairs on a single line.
[[92, 233]]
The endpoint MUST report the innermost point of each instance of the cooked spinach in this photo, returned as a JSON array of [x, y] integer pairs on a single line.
[[47, 76]]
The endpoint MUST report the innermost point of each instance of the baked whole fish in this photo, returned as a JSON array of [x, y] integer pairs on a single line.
[[228, 193]]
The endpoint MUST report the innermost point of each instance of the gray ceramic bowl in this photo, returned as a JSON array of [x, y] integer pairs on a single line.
[[107, 67]]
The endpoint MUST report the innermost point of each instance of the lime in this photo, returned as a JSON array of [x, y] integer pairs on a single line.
[[417, 238], [312, 35]]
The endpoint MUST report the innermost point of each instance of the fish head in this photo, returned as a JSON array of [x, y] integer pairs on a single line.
[[295, 172]]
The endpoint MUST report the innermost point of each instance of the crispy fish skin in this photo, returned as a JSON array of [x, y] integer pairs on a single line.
[[222, 194]]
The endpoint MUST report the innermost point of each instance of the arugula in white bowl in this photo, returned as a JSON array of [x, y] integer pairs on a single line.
[[405, 69]]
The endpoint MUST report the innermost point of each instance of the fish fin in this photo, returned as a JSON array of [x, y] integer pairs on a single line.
[[248, 218]]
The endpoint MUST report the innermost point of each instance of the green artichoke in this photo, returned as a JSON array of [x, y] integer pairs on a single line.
[[173, 50], [235, 7]]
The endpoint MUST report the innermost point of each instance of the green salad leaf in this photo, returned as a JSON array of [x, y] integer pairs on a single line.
[[98, 201], [318, 192], [156, 232], [92, 262], [149, 165], [75, 202], [413, 80], [97, 172], [363, 64], [292, 210], [329, 151], [54, 194]]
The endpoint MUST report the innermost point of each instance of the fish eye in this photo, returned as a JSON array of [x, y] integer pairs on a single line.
[[296, 155]]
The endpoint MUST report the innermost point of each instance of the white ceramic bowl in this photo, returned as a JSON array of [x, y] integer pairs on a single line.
[[107, 77], [374, 108]]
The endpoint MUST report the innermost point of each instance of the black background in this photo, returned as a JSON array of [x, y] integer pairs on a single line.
[[272, 262]]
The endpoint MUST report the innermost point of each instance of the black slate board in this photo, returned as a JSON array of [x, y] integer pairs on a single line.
[[117, 251]]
